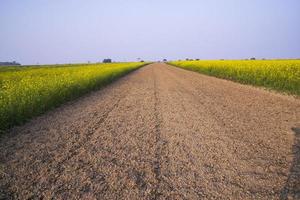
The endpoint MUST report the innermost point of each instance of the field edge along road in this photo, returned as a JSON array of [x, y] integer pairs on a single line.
[[279, 75], [26, 92], [159, 132]]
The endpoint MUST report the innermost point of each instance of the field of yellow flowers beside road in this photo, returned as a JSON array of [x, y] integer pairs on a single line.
[[280, 75], [29, 91]]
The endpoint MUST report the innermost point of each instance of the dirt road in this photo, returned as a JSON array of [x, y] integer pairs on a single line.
[[159, 133]]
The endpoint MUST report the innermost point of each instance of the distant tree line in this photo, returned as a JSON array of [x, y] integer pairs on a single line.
[[107, 60], [14, 63]]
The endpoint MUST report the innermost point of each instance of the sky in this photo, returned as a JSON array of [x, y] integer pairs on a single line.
[[75, 31]]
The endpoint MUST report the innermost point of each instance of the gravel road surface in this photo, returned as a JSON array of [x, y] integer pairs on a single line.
[[158, 133]]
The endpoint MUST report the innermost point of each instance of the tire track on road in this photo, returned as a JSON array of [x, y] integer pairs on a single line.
[[90, 130], [158, 141]]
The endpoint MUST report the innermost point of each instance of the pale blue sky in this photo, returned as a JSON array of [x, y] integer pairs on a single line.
[[66, 31]]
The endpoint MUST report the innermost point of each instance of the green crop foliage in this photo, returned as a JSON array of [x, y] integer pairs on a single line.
[[280, 75], [30, 91]]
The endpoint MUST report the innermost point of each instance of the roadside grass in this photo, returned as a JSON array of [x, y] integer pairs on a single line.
[[26, 92], [280, 75]]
